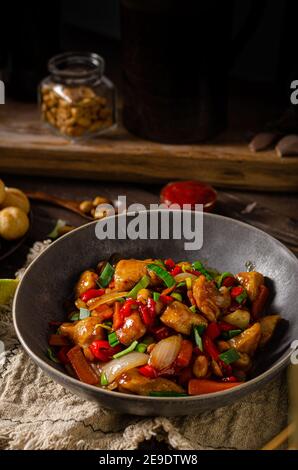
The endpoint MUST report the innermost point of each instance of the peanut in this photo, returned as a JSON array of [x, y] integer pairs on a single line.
[[75, 112]]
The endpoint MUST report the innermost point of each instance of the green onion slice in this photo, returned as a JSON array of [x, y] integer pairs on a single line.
[[142, 284], [177, 296], [126, 351], [231, 333], [141, 347], [239, 299], [106, 275], [156, 296], [198, 339], [193, 308], [162, 274], [75, 316], [198, 266], [229, 356], [52, 356], [113, 340], [84, 313], [103, 379]]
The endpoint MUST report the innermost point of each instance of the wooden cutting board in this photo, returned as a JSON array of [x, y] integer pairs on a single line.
[[27, 147]]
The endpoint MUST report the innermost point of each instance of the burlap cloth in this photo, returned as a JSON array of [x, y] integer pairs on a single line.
[[36, 413]]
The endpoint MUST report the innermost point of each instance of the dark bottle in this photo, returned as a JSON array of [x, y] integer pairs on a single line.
[[176, 57]]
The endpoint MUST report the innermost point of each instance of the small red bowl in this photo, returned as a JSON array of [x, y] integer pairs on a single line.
[[189, 192]]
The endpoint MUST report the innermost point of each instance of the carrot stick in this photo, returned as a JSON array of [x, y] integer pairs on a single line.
[[81, 366], [185, 353], [58, 340], [258, 305], [203, 386]]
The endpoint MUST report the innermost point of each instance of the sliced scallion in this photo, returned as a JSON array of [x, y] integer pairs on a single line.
[[113, 340], [156, 296], [198, 266], [164, 275], [193, 308], [177, 296], [106, 275], [141, 347], [126, 351], [103, 379], [51, 355], [229, 356], [84, 313], [142, 284]]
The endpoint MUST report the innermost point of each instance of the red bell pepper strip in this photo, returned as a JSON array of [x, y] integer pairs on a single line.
[[91, 294], [185, 353], [209, 347], [203, 386], [235, 291], [258, 305], [62, 354], [81, 367], [103, 351], [148, 371], [117, 317], [176, 270], [166, 299], [229, 281], [145, 315], [230, 379], [213, 330], [224, 326], [169, 263]]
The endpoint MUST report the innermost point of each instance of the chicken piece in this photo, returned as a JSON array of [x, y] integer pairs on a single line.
[[268, 327], [179, 317], [132, 329], [83, 332], [248, 341], [128, 272], [209, 299], [133, 381], [86, 281], [251, 281]]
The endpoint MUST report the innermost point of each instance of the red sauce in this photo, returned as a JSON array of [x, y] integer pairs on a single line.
[[189, 192]]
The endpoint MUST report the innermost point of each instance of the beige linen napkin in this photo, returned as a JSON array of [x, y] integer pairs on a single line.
[[36, 413]]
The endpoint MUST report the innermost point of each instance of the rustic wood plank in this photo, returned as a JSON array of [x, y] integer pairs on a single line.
[[26, 147]]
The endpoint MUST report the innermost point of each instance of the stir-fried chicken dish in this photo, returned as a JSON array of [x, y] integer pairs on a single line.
[[160, 328]]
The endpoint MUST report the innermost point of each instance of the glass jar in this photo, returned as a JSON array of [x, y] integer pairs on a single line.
[[77, 100]]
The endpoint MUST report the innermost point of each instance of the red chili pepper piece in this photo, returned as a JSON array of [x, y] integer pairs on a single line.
[[91, 294], [125, 310], [160, 332], [176, 270], [62, 354], [193, 271], [235, 291], [213, 330], [229, 281], [169, 263], [166, 299], [145, 314], [210, 348], [230, 379], [102, 350], [224, 326], [148, 371]]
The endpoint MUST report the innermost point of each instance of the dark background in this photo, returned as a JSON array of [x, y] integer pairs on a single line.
[[31, 32]]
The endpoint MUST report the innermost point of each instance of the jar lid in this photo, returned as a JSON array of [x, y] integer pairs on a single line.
[[77, 65], [189, 192]]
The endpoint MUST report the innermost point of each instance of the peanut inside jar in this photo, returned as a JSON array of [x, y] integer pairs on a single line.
[[77, 99]]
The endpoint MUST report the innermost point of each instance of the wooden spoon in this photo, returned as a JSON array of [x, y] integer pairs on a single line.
[[73, 206]]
